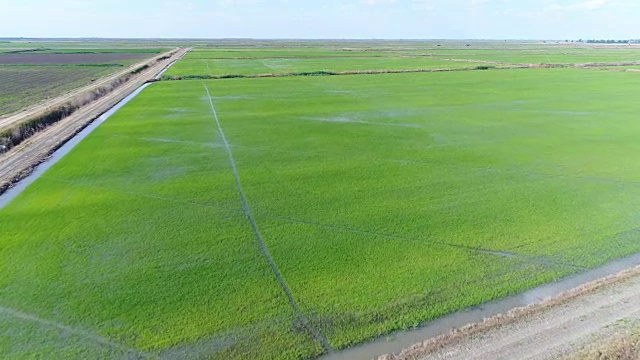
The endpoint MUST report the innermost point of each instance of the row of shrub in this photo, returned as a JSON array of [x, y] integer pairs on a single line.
[[317, 73]]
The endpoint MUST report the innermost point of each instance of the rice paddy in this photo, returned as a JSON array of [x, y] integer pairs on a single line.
[[229, 67], [291, 217]]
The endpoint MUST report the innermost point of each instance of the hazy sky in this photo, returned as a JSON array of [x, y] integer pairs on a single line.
[[422, 19]]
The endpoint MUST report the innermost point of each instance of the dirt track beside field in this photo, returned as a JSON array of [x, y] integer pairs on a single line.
[[551, 330], [20, 160]]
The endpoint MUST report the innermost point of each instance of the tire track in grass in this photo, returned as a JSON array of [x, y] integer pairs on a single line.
[[143, 195], [503, 254], [207, 63], [82, 333], [263, 247], [508, 253]]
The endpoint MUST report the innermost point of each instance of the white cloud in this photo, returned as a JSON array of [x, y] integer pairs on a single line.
[[238, 2], [378, 2], [479, 2], [554, 7], [424, 5], [587, 5]]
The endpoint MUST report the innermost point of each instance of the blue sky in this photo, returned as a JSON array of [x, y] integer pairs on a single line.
[[417, 19]]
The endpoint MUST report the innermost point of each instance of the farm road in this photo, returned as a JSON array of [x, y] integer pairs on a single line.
[[553, 332]]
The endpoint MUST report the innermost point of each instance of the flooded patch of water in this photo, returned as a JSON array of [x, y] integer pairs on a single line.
[[167, 68], [232, 97], [344, 119], [568, 113], [185, 142]]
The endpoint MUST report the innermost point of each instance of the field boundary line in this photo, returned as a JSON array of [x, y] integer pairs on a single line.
[[206, 63], [491, 62], [263, 247], [144, 195], [85, 334], [341, 73], [499, 253], [518, 171], [504, 253]]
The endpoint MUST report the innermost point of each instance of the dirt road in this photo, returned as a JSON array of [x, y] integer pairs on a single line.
[[552, 330], [19, 161]]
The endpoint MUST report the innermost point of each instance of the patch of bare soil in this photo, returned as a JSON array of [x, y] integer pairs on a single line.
[[621, 343]]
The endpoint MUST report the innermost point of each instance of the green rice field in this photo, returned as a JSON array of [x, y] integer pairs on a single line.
[[258, 66], [242, 62], [397, 54], [304, 52], [534, 58], [291, 217]]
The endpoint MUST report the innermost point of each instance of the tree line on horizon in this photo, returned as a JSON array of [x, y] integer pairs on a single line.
[[610, 41]]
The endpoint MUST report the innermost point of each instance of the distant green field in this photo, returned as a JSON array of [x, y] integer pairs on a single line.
[[384, 201], [525, 57], [534, 50], [341, 57], [218, 67], [284, 53]]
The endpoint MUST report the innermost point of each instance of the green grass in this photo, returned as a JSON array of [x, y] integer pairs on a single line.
[[303, 52], [191, 67], [236, 62], [155, 284], [507, 53], [383, 200]]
